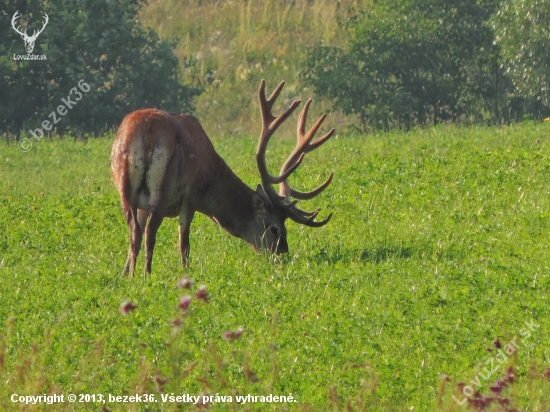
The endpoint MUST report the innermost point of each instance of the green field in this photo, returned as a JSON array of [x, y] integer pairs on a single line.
[[438, 247]]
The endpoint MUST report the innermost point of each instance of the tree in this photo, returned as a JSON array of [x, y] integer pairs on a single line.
[[99, 41], [411, 62], [523, 32]]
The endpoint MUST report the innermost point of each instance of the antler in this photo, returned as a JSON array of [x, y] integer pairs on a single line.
[[36, 33], [269, 124], [13, 21]]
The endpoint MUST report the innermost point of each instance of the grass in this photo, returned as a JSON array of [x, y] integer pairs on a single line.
[[437, 249]]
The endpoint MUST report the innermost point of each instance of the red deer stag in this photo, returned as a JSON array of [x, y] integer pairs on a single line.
[[164, 165]]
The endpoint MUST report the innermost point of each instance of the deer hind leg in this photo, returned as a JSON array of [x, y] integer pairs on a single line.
[[158, 186], [136, 219], [136, 226], [185, 219], [129, 267]]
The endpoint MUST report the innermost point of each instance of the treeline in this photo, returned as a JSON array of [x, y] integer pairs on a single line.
[[377, 65], [100, 42], [412, 62]]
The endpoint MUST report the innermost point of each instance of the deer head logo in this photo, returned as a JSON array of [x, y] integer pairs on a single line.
[[29, 40]]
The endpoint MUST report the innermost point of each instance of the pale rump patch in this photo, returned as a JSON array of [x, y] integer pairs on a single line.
[[155, 174], [136, 165]]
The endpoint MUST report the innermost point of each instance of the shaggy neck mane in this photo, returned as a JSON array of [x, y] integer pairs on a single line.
[[228, 201]]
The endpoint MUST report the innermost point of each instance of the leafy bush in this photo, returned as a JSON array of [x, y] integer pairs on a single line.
[[412, 63], [522, 31], [100, 41]]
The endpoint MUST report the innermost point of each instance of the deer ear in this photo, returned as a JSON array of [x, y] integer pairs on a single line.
[[260, 201]]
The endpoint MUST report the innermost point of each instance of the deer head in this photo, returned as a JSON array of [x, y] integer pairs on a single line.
[[29, 40]]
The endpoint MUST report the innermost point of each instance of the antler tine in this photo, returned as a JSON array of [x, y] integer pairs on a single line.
[[304, 146], [307, 218], [37, 32], [304, 138], [320, 223], [266, 104], [43, 25], [289, 192], [14, 20], [321, 140], [270, 123]]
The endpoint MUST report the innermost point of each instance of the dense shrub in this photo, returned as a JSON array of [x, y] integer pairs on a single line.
[[411, 63], [414, 63], [522, 31], [100, 41]]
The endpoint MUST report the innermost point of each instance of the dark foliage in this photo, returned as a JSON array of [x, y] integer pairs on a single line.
[[98, 41], [413, 63]]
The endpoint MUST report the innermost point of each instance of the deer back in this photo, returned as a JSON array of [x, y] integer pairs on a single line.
[[161, 159]]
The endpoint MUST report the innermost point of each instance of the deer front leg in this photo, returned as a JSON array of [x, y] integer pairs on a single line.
[[185, 219]]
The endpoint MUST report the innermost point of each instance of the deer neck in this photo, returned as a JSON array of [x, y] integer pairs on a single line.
[[228, 201]]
